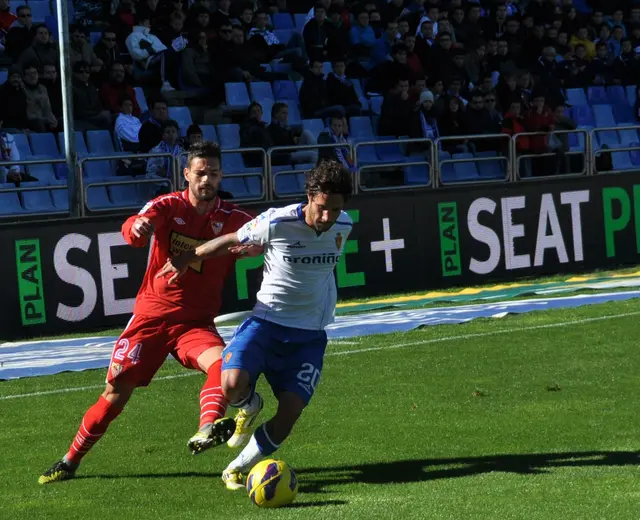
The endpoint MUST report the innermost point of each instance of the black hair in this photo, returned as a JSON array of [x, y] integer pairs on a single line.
[[193, 129], [275, 109], [254, 104], [329, 177], [204, 150], [169, 123]]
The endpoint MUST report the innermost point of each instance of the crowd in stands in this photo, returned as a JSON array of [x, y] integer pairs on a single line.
[[419, 68]]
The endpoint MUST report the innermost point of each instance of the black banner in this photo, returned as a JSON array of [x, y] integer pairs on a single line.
[[76, 276]]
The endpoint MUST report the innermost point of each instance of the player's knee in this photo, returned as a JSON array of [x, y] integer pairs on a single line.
[[235, 384], [118, 394]]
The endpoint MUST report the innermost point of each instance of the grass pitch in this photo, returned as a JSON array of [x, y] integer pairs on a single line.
[[528, 417]]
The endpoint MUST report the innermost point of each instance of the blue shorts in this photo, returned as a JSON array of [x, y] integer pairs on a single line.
[[290, 358]]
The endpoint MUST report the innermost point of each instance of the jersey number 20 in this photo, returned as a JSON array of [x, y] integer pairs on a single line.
[[309, 375]]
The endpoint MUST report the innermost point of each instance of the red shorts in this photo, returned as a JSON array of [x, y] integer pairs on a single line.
[[146, 342]]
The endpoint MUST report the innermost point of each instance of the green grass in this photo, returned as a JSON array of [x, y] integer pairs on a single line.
[[494, 419]]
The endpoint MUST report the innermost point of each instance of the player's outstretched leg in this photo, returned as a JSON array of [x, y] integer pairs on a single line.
[[266, 440], [215, 428], [93, 426]]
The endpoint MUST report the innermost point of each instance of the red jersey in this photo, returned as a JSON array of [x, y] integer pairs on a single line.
[[179, 227]]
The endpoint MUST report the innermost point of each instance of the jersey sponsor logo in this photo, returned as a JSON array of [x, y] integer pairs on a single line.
[[296, 245], [338, 240], [324, 258], [217, 227], [179, 221], [179, 243]]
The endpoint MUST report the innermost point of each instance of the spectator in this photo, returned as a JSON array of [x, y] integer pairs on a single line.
[[450, 124], [438, 59], [107, 51], [396, 111], [477, 121], [147, 50], [88, 112], [254, 134], [503, 61], [166, 9], [201, 22], [600, 71], [334, 134], [425, 123], [20, 36], [626, 67], [416, 89], [42, 50], [221, 16], [617, 20], [148, 9], [496, 26], [385, 75], [361, 36], [9, 152], [413, 60], [282, 135], [316, 34], [340, 90], [39, 114], [394, 9], [490, 104], [266, 47], [314, 100], [458, 70], [174, 39], [113, 91], [338, 41], [513, 124], [194, 135], [433, 14], [127, 126], [532, 48], [381, 50], [246, 19], [124, 20], [197, 69], [13, 108], [582, 37], [52, 83], [538, 119], [80, 50], [469, 30], [549, 74], [151, 130], [170, 144], [559, 143], [616, 41], [6, 16]]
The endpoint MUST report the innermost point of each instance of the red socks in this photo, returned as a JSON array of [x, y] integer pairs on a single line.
[[213, 405], [94, 423]]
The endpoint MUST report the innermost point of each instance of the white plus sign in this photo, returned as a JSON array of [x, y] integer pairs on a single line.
[[387, 245]]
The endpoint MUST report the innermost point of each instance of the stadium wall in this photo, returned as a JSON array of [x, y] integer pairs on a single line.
[[78, 275]]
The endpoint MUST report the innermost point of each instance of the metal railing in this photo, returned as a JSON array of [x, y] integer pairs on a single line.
[[595, 153]]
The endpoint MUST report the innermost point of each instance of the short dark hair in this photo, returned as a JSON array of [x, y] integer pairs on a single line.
[[194, 129], [169, 123], [124, 98], [254, 104], [22, 8], [329, 177], [204, 149], [155, 101], [275, 109]]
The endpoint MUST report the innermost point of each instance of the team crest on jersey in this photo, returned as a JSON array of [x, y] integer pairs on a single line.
[[179, 243], [116, 368], [217, 227], [228, 357], [338, 241]]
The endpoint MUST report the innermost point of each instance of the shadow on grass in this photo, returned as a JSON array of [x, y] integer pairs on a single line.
[[316, 503], [405, 471]]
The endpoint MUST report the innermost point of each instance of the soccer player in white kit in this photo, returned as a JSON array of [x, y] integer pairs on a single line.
[[284, 339]]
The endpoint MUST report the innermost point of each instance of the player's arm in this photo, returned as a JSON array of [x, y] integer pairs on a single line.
[[137, 229]]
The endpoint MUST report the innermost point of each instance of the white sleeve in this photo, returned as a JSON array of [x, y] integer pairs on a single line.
[[15, 156], [257, 231]]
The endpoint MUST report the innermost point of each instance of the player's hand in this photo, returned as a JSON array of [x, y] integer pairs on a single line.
[[246, 250], [176, 266], [142, 227]]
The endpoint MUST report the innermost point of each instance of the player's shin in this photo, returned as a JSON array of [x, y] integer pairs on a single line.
[[213, 404], [260, 446]]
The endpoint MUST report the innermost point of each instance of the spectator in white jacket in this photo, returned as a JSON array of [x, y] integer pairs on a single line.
[[127, 126], [146, 49], [9, 152]]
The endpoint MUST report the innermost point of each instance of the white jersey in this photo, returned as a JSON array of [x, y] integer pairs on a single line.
[[298, 287]]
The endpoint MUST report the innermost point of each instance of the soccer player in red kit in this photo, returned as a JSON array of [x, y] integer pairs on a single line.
[[170, 319]]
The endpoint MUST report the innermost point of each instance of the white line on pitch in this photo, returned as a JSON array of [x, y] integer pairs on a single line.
[[361, 350]]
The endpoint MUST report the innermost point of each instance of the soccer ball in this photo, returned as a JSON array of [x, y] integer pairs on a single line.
[[272, 483]]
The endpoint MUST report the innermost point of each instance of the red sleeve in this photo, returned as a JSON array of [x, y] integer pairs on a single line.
[[239, 217], [158, 210]]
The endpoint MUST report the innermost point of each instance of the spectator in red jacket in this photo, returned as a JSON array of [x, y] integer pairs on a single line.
[[513, 124], [539, 119], [112, 92], [6, 16]]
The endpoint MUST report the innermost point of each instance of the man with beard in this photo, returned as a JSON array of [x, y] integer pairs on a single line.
[[112, 92]]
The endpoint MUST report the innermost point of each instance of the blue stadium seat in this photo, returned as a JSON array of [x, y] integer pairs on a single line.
[[40, 11], [60, 197], [267, 106], [142, 100], [366, 154], [361, 97], [622, 161], [124, 194], [576, 97], [81, 146], [4, 75], [295, 119], [631, 95], [10, 202], [617, 94], [237, 96], [233, 163], [416, 174], [608, 137], [94, 38], [287, 183], [623, 113], [283, 21], [97, 198], [300, 19], [22, 142], [326, 68], [254, 186], [465, 171], [281, 67], [446, 170], [261, 91], [236, 186], [583, 115], [299, 85], [635, 155], [627, 135], [44, 145], [99, 142], [304, 167], [490, 169], [390, 152], [284, 35], [51, 22], [376, 104], [603, 115], [360, 128], [597, 95], [182, 115], [285, 89], [229, 136], [209, 133], [315, 126], [42, 172], [36, 201]]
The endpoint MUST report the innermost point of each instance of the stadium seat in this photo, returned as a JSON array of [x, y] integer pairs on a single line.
[[182, 115], [60, 197], [376, 104], [51, 22], [232, 163], [365, 154], [495, 169], [261, 91], [236, 186], [40, 11], [44, 145], [99, 142], [81, 146], [94, 38], [237, 96], [361, 97], [284, 35], [4, 75], [299, 85], [608, 137], [10, 202], [267, 106], [37, 201], [631, 95], [635, 155], [209, 133], [583, 115], [416, 174], [622, 161], [603, 116], [465, 171], [390, 152], [122, 195], [315, 126], [97, 198], [287, 184], [254, 185], [616, 94], [623, 113], [142, 100], [360, 128], [285, 89], [326, 68], [281, 67], [300, 19], [229, 136], [597, 95], [295, 119], [304, 167], [627, 135], [283, 21], [22, 142], [42, 172], [576, 97], [446, 170]]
